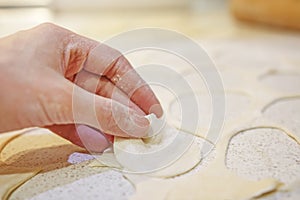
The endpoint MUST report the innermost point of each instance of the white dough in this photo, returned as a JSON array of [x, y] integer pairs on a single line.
[[168, 153]]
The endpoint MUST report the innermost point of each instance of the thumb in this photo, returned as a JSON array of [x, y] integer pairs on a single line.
[[83, 136], [99, 112]]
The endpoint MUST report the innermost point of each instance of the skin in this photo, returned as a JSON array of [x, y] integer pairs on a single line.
[[51, 77]]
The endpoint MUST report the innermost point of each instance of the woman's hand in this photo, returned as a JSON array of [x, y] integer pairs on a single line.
[[50, 76]]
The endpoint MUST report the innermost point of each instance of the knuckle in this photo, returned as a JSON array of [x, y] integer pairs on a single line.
[[103, 87], [47, 26], [48, 29], [116, 65]]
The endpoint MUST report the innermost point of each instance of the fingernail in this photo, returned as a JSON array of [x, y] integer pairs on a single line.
[[141, 121], [141, 126], [157, 110], [92, 140]]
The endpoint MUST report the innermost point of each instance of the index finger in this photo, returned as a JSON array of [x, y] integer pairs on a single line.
[[106, 61]]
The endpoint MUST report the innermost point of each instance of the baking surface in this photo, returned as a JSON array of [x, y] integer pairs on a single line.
[[260, 68]]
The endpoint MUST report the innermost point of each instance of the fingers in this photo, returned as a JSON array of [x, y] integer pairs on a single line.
[[105, 61], [77, 52], [83, 136], [102, 86], [101, 113], [80, 52]]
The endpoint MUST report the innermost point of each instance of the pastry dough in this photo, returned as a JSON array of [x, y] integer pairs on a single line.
[[12, 177], [38, 149], [216, 182], [10, 182], [152, 155], [219, 183]]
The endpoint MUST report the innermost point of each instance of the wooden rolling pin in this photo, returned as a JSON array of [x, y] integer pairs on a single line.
[[284, 13]]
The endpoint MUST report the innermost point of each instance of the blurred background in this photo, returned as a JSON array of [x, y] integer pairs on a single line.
[[99, 19], [254, 44], [102, 18]]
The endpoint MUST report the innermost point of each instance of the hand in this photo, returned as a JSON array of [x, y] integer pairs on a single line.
[[41, 68]]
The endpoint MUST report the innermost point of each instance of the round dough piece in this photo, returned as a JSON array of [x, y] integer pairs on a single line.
[[170, 153]]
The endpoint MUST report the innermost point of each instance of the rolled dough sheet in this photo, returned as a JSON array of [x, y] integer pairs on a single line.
[[10, 182], [150, 56], [108, 185], [285, 82], [106, 160], [285, 112], [12, 177], [215, 182], [25, 153], [251, 155], [5, 138], [238, 105], [59, 178], [219, 183], [38, 149]]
